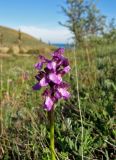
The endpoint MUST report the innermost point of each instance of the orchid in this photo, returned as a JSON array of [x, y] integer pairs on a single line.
[[50, 73]]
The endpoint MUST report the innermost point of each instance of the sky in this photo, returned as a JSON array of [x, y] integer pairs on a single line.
[[40, 17]]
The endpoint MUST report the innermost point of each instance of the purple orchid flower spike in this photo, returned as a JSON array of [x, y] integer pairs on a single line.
[[50, 74]]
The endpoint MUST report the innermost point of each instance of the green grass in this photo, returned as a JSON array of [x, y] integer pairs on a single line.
[[25, 128]]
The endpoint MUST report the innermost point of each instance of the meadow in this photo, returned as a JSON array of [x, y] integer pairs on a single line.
[[84, 124]]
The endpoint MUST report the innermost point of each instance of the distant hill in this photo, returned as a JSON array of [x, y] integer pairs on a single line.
[[10, 37]]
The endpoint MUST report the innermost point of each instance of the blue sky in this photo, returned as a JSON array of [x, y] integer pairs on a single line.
[[40, 17]]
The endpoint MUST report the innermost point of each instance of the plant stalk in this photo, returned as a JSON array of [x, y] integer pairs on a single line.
[[51, 117]]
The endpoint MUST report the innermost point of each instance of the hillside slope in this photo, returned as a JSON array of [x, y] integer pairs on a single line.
[[9, 37]]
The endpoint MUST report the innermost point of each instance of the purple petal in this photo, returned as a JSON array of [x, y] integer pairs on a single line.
[[57, 95], [39, 65], [51, 65], [61, 50], [42, 61], [66, 69], [55, 78], [65, 94], [65, 62], [36, 86], [48, 103], [40, 75], [43, 82], [58, 52], [42, 58]]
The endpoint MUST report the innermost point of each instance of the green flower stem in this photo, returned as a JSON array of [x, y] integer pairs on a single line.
[[51, 117]]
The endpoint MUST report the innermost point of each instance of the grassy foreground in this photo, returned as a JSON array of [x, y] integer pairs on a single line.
[[91, 134]]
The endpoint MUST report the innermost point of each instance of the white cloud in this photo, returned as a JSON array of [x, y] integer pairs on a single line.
[[58, 35]]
